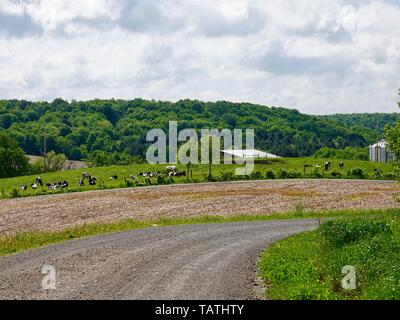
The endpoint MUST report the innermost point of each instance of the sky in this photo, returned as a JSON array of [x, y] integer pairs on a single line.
[[318, 56]]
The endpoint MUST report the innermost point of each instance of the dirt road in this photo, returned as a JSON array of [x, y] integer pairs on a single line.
[[251, 197], [214, 261]]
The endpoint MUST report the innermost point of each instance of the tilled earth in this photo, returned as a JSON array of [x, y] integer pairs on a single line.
[[57, 212]]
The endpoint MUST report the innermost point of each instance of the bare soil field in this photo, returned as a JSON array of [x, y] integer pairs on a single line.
[[69, 164], [54, 213]]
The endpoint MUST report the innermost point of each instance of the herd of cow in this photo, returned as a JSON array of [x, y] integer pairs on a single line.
[[327, 166], [171, 171]]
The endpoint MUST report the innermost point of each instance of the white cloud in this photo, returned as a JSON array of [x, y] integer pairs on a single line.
[[318, 56], [11, 7]]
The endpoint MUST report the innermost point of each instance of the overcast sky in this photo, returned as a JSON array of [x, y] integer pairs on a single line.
[[318, 56]]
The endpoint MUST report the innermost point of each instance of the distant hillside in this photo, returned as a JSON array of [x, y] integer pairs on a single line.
[[373, 121], [116, 129]]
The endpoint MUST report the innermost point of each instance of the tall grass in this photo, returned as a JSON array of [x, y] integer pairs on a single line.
[[309, 266]]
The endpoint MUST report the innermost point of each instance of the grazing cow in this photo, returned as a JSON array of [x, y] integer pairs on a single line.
[[341, 165], [114, 177], [86, 175], [34, 186], [92, 181], [327, 165], [81, 183], [23, 187], [39, 181], [153, 174], [52, 186], [172, 169], [64, 184]]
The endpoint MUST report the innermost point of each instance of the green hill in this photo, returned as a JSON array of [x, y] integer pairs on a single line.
[[116, 129]]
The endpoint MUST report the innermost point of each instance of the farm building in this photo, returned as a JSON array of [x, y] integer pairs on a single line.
[[379, 152], [250, 154]]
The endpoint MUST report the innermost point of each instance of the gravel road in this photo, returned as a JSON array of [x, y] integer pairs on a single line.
[[214, 261]]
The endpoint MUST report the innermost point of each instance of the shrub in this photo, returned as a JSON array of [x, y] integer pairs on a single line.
[[293, 174], [391, 176], [377, 173], [282, 174], [15, 193], [256, 175], [290, 174], [162, 179], [227, 176], [129, 184], [270, 174], [356, 173], [336, 174], [317, 174], [341, 232]]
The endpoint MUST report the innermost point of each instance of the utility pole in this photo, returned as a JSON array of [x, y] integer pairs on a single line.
[[45, 151]]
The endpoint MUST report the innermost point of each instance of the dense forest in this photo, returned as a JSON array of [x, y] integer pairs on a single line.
[[115, 130], [359, 121]]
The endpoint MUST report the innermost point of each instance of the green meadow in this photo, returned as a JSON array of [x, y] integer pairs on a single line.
[[292, 168]]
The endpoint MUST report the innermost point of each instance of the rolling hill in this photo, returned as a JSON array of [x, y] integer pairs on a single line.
[[115, 130]]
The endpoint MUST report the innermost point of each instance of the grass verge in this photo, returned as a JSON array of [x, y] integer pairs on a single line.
[[309, 266], [24, 241]]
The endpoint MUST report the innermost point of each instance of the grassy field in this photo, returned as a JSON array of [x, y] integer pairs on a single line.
[[30, 240], [268, 169], [309, 266]]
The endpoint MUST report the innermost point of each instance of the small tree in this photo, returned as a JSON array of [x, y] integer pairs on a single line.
[[13, 161], [56, 162], [392, 134]]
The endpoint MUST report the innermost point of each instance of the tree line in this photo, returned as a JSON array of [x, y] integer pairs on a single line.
[[114, 131]]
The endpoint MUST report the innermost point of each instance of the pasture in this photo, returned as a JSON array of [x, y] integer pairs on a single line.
[[293, 168]]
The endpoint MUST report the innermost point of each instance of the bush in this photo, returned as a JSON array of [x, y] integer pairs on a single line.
[[391, 176], [377, 173], [15, 193], [256, 175], [282, 174], [356, 173], [162, 179], [316, 173], [129, 184], [341, 232], [270, 174], [290, 174], [293, 174], [336, 174], [227, 176]]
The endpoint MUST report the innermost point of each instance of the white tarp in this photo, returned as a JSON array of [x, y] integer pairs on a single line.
[[250, 154]]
